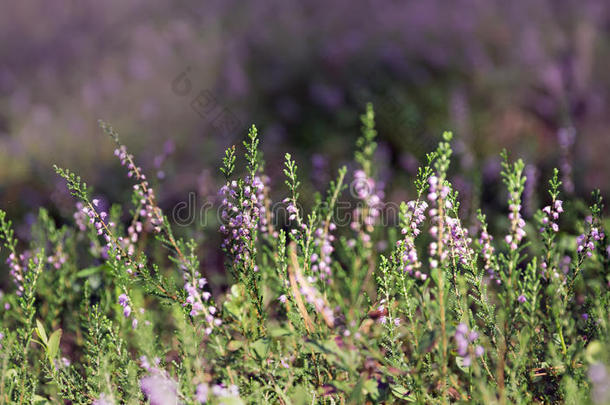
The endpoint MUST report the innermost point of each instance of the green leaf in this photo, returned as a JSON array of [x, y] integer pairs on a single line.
[[301, 395], [355, 396], [371, 388], [11, 373], [41, 332], [260, 348], [594, 352], [231, 401], [279, 332], [402, 393], [53, 345], [235, 345], [39, 400]]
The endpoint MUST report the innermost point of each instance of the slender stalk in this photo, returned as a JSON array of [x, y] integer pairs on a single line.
[[441, 300]]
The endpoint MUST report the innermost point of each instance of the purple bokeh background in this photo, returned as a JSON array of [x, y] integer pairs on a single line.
[[529, 76]]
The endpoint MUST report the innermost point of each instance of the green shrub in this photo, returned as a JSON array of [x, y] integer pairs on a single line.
[[322, 308]]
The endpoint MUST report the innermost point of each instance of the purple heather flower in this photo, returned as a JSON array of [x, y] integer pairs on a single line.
[[453, 234], [414, 216], [551, 214], [522, 299], [321, 263], [159, 389], [201, 393], [598, 374], [241, 219], [371, 194], [517, 223], [462, 345], [559, 206], [463, 337]]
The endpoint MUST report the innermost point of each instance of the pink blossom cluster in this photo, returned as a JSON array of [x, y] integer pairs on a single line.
[[103, 227], [57, 259], [149, 211], [453, 233], [459, 240], [199, 299], [586, 243], [551, 215], [437, 191], [598, 374], [517, 224], [133, 234], [18, 266], [488, 250], [383, 318], [218, 391], [242, 217], [99, 221], [371, 193], [293, 215], [158, 386], [436, 194], [409, 259], [321, 263], [125, 302], [463, 339], [313, 297], [80, 217], [144, 192]]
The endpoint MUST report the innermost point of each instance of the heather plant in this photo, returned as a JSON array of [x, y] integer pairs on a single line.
[[114, 305]]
